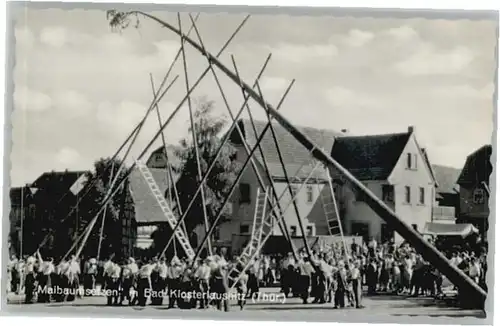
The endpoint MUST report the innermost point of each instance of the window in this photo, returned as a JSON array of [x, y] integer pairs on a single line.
[[478, 196], [409, 161], [422, 195], [294, 190], [407, 194], [244, 229], [244, 193], [415, 161], [309, 230], [293, 231], [310, 194], [388, 193]]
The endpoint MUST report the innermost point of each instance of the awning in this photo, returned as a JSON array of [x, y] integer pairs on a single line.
[[463, 230]]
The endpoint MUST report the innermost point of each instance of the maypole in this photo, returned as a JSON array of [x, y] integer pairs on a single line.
[[429, 252]]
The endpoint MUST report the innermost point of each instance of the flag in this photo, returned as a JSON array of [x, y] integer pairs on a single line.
[[79, 184]]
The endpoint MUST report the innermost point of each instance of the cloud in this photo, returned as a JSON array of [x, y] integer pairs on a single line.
[[403, 33], [430, 61], [298, 53], [348, 99], [67, 156], [31, 100], [466, 91], [54, 36], [24, 38], [120, 117], [72, 103], [358, 38], [273, 83]]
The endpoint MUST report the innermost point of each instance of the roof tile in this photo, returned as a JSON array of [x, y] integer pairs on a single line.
[[370, 157], [147, 209], [477, 167]]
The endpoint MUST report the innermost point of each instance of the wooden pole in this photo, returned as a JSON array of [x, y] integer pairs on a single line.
[[283, 229], [195, 138], [429, 252], [240, 174], [167, 122]]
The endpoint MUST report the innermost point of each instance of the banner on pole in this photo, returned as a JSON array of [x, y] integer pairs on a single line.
[[79, 184]]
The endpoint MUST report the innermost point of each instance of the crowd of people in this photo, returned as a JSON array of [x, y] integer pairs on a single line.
[[329, 275]]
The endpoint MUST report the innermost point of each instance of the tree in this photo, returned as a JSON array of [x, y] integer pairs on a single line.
[[105, 172], [89, 200], [208, 129]]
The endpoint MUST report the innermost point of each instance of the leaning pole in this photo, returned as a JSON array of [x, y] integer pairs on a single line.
[[466, 286]]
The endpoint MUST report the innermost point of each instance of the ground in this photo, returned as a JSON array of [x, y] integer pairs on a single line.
[[272, 307]]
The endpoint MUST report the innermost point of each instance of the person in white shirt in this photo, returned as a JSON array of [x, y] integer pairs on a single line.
[[202, 279], [113, 287], [47, 269], [306, 270], [160, 282], [175, 273], [106, 271], [89, 275], [356, 283], [129, 274], [474, 270]]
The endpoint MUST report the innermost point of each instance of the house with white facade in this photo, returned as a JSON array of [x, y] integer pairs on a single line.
[[397, 170], [298, 164]]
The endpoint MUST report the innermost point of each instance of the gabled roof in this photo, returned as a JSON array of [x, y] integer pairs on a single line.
[[294, 154], [152, 162], [477, 167], [370, 157], [429, 165], [446, 178], [147, 209], [57, 180]]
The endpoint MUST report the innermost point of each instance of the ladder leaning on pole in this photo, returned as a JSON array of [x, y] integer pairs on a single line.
[[246, 262], [162, 202], [261, 226], [331, 210]]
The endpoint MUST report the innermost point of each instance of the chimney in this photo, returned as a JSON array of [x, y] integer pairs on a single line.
[[411, 129]]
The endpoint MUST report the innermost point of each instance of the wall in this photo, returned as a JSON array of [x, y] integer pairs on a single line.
[[360, 212], [311, 213], [468, 208], [242, 213], [413, 212]]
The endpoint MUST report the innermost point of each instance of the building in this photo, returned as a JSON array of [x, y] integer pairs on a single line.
[[298, 163], [145, 216], [397, 170], [157, 158], [447, 194], [22, 209], [474, 182]]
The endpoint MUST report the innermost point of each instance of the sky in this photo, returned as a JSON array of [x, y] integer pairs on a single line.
[[81, 87]]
